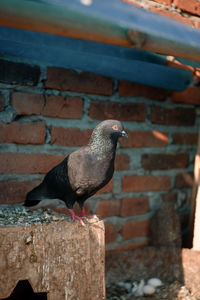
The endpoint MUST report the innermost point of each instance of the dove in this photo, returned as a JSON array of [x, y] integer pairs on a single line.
[[81, 174]]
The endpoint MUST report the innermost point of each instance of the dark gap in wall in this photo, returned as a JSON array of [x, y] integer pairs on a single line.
[[24, 291]]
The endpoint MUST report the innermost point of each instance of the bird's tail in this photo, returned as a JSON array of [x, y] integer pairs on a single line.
[[34, 196]]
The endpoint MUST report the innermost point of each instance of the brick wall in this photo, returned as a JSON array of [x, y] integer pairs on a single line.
[[186, 11], [47, 112]]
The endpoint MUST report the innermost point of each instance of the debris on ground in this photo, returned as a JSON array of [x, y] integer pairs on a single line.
[[128, 291], [17, 215]]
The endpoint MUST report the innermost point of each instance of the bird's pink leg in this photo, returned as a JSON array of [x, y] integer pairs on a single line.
[[75, 217], [84, 215]]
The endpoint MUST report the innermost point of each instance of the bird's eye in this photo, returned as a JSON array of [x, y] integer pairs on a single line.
[[115, 127]]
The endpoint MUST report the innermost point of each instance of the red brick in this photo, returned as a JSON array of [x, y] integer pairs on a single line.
[[70, 136], [134, 206], [185, 138], [108, 208], [131, 246], [170, 197], [110, 233], [52, 106], [131, 89], [76, 208], [84, 82], [21, 163], [27, 104], [135, 229], [15, 192], [107, 188], [196, 22], [120, 111], [184, 180], [164, 161], [132, 2], [140, 139], [189, 96], [175, 116], [2, 102], [192, 6], [197, 70], [122, 162], [166, 2], [63, 107], [170, 14], [64, 210], [172, 62], [18, 73], [22, 133], [145, 183]]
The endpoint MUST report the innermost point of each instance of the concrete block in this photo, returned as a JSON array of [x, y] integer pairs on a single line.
[[59, 257]]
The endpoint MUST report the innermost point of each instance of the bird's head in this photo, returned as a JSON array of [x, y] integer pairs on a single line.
[[109, 130], [113, 129]]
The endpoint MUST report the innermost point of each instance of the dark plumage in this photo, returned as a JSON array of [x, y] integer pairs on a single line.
[[82, 173]]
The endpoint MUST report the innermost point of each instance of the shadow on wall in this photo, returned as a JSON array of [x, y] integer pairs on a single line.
[[162, 259]]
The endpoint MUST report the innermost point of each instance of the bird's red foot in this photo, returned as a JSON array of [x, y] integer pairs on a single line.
[[84, 215], [76, 217]]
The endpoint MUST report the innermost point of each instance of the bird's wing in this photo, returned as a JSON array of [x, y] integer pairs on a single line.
[[86, 173]]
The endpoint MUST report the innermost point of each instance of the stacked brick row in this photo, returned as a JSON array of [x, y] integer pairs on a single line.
[[184, 11], [47, 112]]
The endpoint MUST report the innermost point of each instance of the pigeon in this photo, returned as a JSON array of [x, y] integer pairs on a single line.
[[81, 174]]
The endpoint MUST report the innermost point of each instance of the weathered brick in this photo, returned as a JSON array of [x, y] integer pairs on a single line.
[[120, 111], [18, 73], [133, 3], [132, 89], [135, 229], [122, 162], [134, 206], [22, 133], [27, 104], [63, 107], [197, 70], [184, 180], [2, 102], [15, 192], [196, 22], [76, 208], [108, 208], [131, 246], [172, 116], [189, 96], [110, 233], [165, 224], [164, 161], [174, 63], [107, 188], [21, 163], [140, 139], [170, 197], [52, 106], [192, 6], [84, 82], [185, 138], [170, 14], [145, 183], [70, 136], [166, 2]]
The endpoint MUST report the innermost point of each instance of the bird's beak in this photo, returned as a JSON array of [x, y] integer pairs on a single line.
[[124, 134]]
